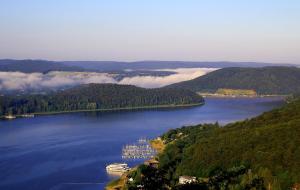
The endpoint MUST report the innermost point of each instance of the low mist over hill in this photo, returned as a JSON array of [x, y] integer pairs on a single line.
[[43, 76]]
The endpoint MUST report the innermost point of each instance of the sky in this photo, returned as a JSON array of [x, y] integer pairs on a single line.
[[132, 30]]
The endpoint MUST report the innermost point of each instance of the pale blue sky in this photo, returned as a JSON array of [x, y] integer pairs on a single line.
[[198, 30]]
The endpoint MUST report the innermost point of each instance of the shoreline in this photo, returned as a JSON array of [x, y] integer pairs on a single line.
[[109, 109], [208, 95], [118, 183], [157, 144]]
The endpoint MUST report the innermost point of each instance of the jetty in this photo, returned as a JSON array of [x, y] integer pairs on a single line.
[[140, 150]]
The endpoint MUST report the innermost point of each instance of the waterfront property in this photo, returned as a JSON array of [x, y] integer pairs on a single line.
[[153, 163]]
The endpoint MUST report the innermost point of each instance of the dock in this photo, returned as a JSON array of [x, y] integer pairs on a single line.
[[139, 150]]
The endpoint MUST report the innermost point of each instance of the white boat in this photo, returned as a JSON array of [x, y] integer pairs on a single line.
[[117, 168], [10, 117]]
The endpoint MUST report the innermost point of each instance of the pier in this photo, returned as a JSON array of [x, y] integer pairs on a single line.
[[140, 150]]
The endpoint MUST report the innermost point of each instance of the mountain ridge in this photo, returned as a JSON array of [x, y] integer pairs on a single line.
[[279, 80], [31, 66], [108, 66]]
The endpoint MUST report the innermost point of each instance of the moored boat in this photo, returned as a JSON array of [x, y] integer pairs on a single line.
[[117, 168], [10, 117]]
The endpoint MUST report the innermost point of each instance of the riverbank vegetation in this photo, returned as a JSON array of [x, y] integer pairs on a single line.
[[97, 97], [116, 184], [157, 144], [260, 153]]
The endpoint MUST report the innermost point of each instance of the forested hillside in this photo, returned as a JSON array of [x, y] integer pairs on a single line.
[[266, 80], [96, 96], [260, 153]]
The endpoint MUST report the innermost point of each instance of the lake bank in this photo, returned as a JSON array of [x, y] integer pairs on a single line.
[[157, 144], [217, 95], [71, 150], [106, 110]]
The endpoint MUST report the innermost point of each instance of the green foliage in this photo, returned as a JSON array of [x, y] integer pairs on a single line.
[[259, 153], [146, 177], [266, 80], [96, 96], [192, 186]]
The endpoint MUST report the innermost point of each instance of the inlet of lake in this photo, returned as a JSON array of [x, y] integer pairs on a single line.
[[70, 151]]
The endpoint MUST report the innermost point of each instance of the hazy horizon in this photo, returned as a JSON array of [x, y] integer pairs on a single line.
[[151, 60], [256, 31]]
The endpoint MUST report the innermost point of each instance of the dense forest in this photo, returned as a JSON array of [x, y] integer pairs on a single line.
[[96, 96], [260, 153], [266, 80]]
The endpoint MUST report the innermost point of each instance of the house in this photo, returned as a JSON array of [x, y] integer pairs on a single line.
[[153, 163], [130, 179], [187, 179], [296, 186]]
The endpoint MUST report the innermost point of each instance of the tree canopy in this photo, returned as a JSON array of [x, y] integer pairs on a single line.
[[260, 153], [96, 96], [266, 80]]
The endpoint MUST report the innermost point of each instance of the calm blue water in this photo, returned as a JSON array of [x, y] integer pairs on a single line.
[[70, 151]]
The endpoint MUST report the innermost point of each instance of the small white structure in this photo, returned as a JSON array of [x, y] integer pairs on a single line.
[[117, 169], [27, 115], [10, 117], [186, 179], [130, 179]]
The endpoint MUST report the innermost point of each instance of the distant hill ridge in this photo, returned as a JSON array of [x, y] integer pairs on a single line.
[[29, 65], [156, 64], [266, 80]]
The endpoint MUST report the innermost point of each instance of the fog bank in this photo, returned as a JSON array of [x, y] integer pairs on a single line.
[[53, 80]]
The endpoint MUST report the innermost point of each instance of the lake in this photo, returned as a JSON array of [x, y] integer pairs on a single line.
[[70, 151]]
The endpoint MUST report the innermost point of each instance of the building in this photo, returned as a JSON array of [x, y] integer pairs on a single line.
[[187, 179], [153, 163], [117, 169], [296, 186]]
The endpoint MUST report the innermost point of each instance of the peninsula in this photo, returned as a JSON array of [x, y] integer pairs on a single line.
[[97, 97]]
